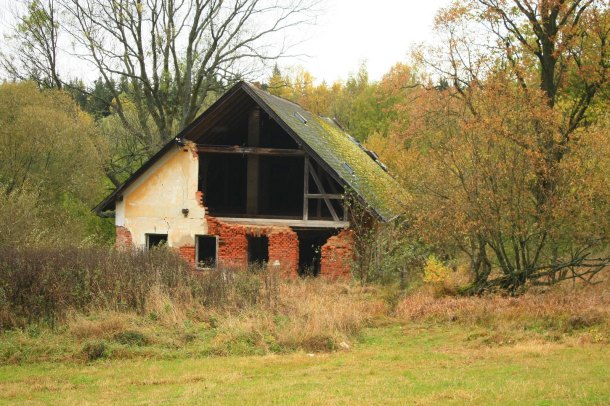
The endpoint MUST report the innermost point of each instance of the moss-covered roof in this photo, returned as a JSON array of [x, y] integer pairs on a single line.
[[343, 154]]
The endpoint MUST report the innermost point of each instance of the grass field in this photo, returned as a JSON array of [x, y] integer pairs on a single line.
[[396, 364]]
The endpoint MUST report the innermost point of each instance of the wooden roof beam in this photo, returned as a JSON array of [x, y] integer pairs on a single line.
[[222, 149]]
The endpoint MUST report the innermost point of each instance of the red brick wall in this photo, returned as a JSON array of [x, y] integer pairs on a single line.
[[188, 253], [337, 254], [123, 237], [233, 244], [284, 247]]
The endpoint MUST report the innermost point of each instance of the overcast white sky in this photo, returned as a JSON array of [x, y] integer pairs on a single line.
[[380, 32]]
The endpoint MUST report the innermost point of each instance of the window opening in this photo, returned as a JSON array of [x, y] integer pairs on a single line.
[[258, 249], [206, 248], [155, 240]]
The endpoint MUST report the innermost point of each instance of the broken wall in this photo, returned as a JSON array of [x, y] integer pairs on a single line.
[[233, 245], [337, 256], [154, 205]]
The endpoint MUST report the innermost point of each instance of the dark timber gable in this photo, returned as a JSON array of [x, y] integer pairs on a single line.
[[266, 157]]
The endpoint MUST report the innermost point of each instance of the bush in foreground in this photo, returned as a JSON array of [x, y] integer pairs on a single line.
[[41, 285], [88, 304]]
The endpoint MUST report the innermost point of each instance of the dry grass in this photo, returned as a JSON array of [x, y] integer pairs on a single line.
[[562, 309], [103, 327], [312, 315], [156, 310], [279, 317]]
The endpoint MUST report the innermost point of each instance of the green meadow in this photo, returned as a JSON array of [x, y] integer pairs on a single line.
[[395, 364]]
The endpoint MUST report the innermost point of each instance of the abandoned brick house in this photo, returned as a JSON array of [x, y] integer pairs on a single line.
[[254, 178]]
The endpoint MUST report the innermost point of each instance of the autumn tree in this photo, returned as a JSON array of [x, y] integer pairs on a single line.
[[363, 107], [500, 160], [279, 84]]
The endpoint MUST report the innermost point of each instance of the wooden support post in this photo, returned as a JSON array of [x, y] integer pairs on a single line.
[[306, 189], [324, 196], [253, 173], [323, 193], [333, 190]]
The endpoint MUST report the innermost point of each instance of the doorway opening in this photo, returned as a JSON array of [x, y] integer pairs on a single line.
[[310, 249]]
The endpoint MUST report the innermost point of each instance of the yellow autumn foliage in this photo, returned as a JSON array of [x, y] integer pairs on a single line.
[[435, 271]]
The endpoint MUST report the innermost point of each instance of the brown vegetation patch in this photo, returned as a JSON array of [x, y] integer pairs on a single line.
[[563, 309]]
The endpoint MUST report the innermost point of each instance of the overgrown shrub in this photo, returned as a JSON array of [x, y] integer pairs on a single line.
[[384, 253], [435, 271], [43, 284]]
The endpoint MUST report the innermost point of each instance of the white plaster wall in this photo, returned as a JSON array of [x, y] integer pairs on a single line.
[[154, 203], [119, 214]]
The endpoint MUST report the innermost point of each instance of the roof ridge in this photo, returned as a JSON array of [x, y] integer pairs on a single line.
[[257, 89]]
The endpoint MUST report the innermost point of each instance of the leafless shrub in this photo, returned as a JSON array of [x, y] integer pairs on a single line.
[[44, 284]]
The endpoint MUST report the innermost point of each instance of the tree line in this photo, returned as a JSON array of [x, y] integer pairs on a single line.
[[498, 129]]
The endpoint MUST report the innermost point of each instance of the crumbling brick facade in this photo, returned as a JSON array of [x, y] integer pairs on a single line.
[[337, 254], [233, 244], [188, 253], [284, 247], [123, 237]]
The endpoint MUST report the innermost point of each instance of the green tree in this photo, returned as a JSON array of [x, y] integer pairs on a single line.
[[51, 157]]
